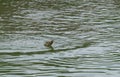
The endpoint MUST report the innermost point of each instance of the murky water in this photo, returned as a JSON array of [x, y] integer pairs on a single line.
[[86, 36]]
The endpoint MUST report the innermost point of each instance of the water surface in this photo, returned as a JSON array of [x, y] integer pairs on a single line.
[[86, 37]]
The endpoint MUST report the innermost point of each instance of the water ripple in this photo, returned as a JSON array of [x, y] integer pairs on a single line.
[[85, 32]]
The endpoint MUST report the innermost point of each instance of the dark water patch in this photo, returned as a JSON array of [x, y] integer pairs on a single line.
[[50, 50]]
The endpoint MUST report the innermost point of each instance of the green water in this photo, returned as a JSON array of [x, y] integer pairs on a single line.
[[86, 36]]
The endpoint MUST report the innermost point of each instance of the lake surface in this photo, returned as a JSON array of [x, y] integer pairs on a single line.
[[86, 36]]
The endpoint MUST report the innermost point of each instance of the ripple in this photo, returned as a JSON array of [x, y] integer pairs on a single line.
[[85, 33]]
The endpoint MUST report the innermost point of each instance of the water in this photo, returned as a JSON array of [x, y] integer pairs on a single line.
[[86, 37]]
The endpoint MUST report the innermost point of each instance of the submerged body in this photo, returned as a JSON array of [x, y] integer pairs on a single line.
[[48, 43]]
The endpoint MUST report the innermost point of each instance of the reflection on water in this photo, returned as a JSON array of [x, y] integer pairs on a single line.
[[85, 32]]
